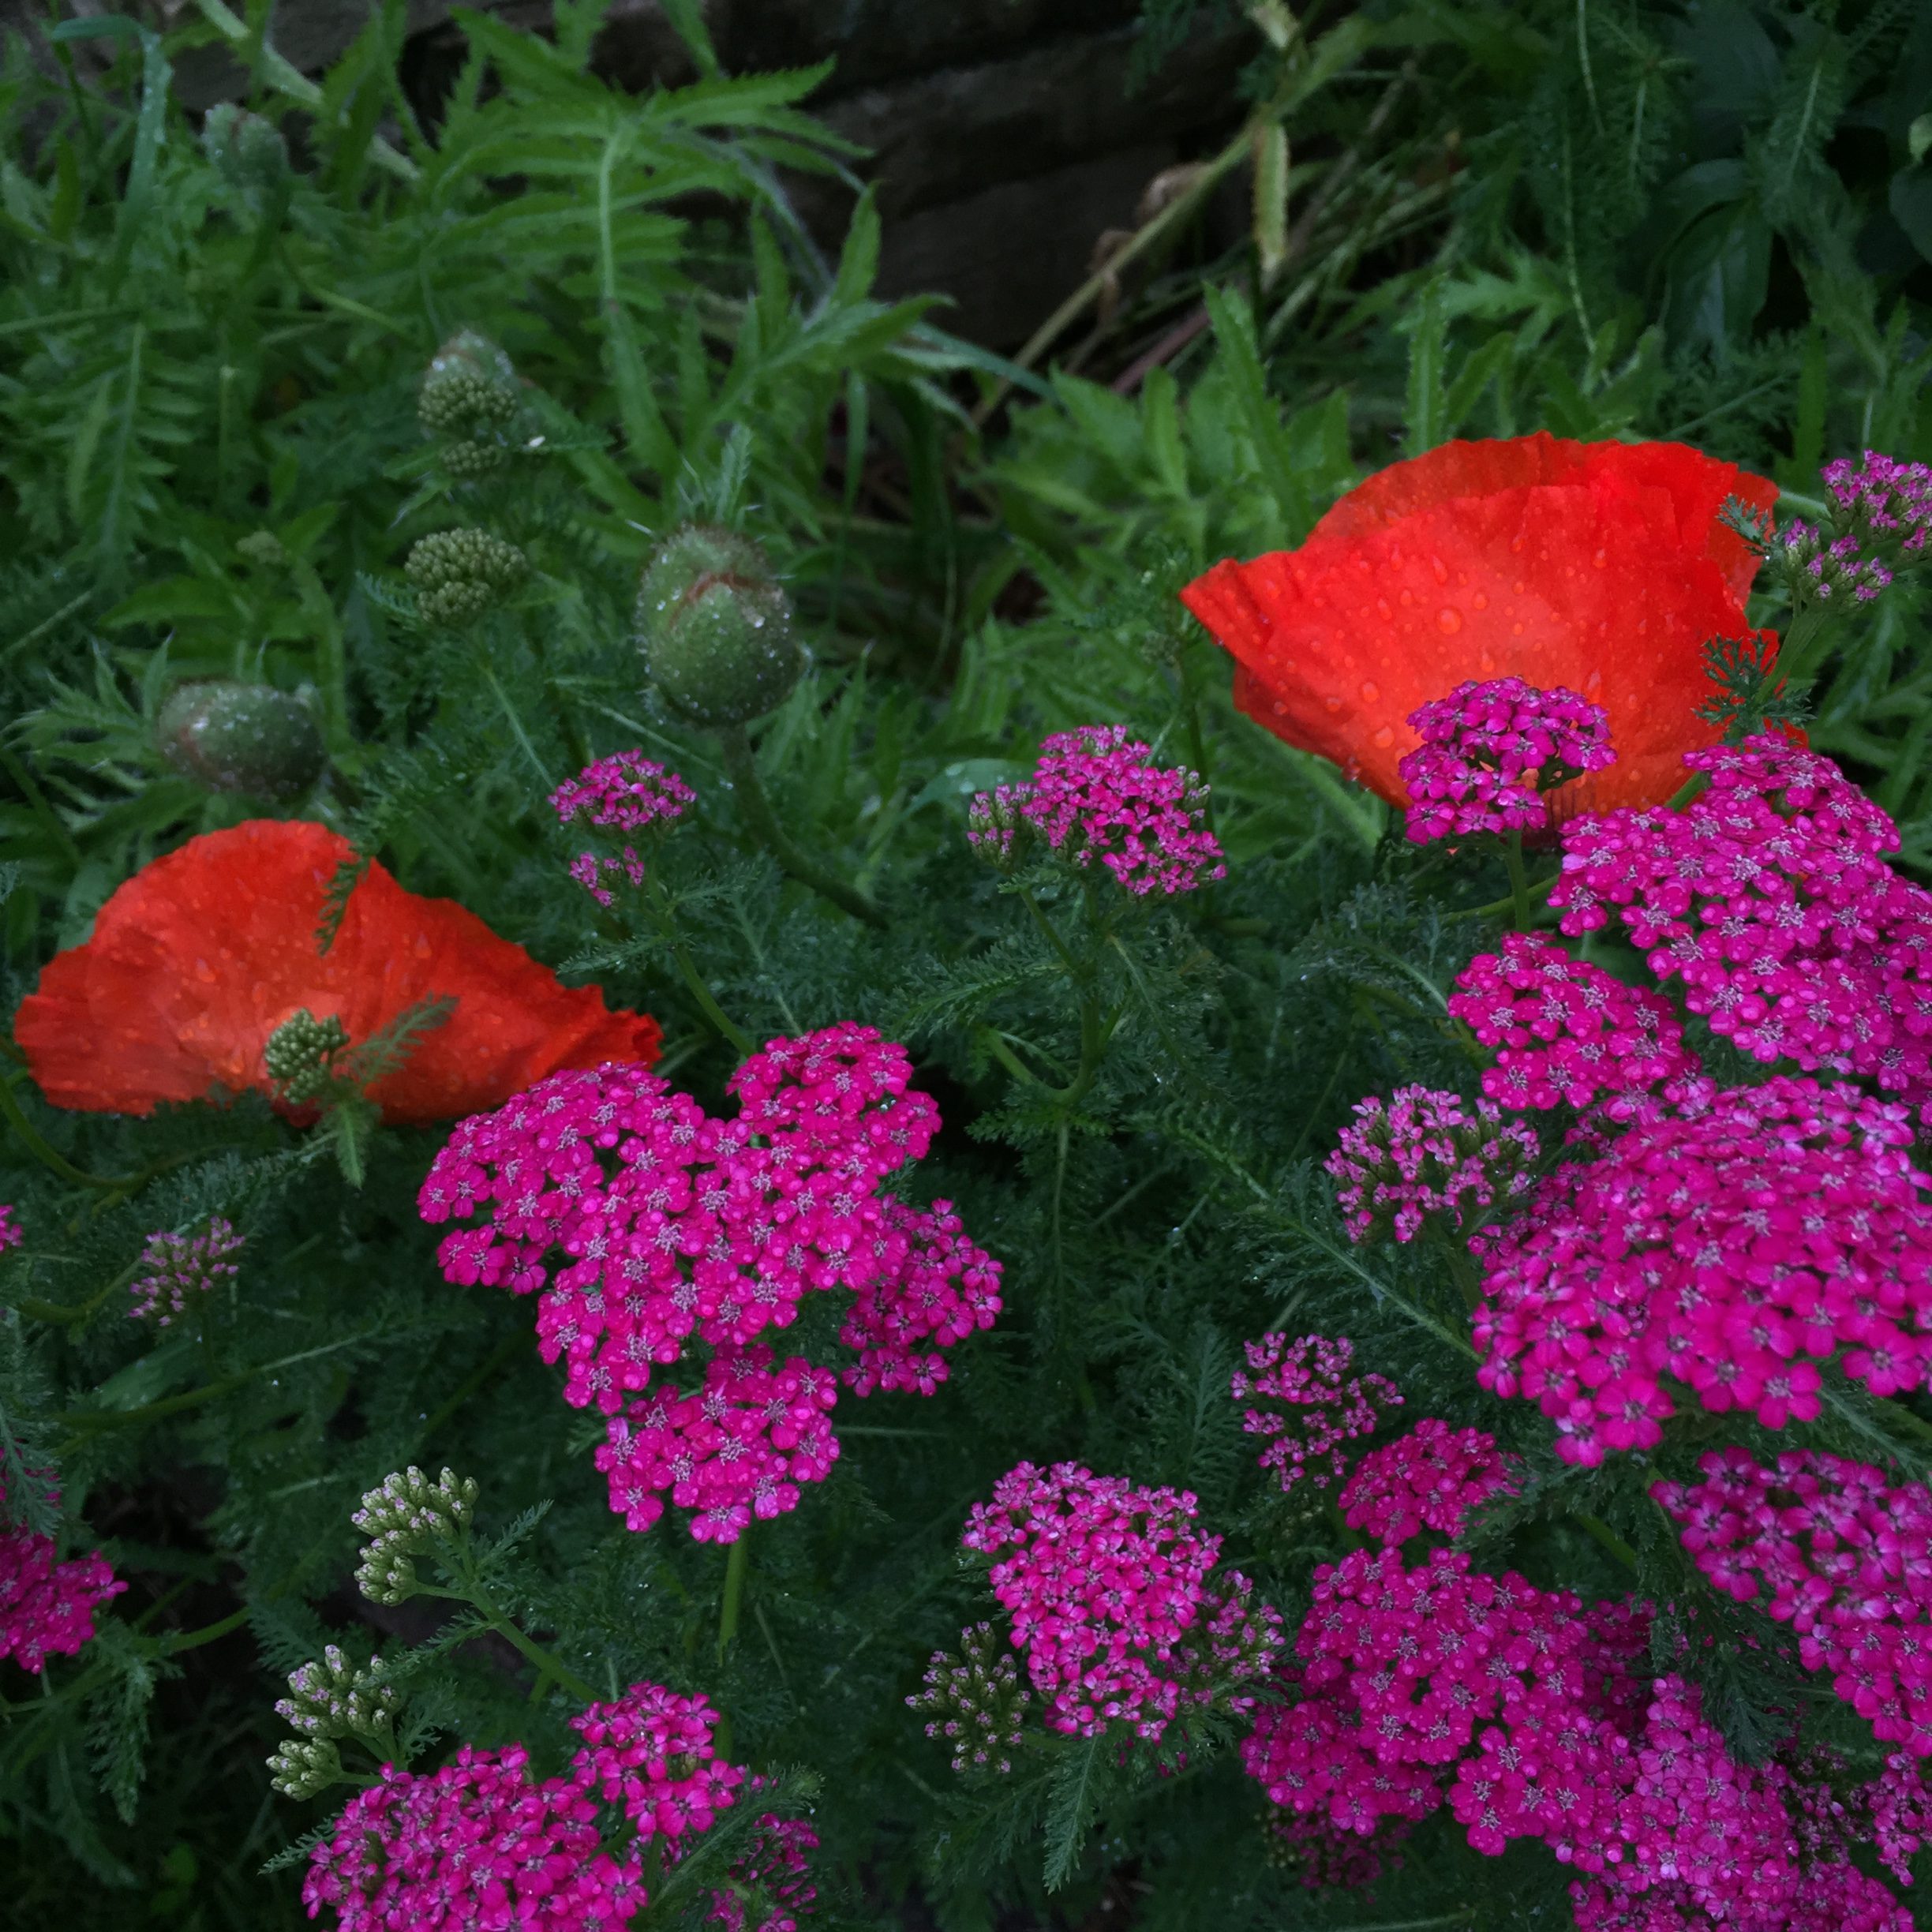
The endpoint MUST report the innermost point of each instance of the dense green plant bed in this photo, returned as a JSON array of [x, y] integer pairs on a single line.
[[800, 1127]]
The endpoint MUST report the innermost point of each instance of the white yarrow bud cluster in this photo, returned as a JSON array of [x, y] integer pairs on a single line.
[[407, 1516], [335, 1698], [300, 1767]]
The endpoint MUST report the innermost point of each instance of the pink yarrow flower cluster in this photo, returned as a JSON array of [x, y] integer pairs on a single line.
[[1883, 499], [10, 1235], [1097, 797], [1724, 1251], [1491, 750], [1106, 1584], [1424, 1152], [654, 1235], [1826, 1545], [1519, 1709], [1322, 1405], [480, 1842], [627, 793], [46, 1606], [1768, 900], [1826, 566], [179, 1270], [1430, 1478], [1567, 1032]]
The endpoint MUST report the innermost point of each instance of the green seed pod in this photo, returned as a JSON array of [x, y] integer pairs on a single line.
[[715, 629], [460, 574], [248, 152], [234, 737], [469, 398]]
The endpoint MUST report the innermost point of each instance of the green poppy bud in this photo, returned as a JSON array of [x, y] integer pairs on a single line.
[[715, 628], [234, 737], [469, 399], [460, 574], [248, 152]]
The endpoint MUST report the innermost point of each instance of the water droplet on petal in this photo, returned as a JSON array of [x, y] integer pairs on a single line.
[[1331, 705], [1371, 690], [1481, 599], [1449, 619], [1383, 738]]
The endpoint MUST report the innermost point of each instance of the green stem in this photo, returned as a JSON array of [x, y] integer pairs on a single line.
[[1519, 881], [191, 1399], [695, 982], [1537, 888], [996, 1045], [548, 1665], [1607, 1538], [30, 1137], [78, 1312], [741, 763], [1806, 641], [176, 1642], [736, 1564]]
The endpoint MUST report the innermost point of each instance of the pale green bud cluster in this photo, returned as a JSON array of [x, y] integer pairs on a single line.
[[468, 401], [300, 1055], [336, 1698], [461, 574], [406, 1517], [301, 1767]]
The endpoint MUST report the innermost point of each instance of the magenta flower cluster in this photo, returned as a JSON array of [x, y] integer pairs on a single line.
[[480, 1842], [1430, 1478], [1826, 1545], [1567, 1030], [1826, 566], [179, 1270], [1096, 796], [1423, 1153], [653, 1234], [46, 1607], [1416, 1687], [627, 793], [10, 1235], [1890, 500], [1322, 1404], [1107, 1585], [1725, 1251], [1768, 900], [1491, 750]]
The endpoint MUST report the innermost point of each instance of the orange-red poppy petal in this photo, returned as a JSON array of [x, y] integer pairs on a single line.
[[1599, 567], [196, 960]]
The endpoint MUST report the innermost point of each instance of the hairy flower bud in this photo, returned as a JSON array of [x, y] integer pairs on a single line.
[[248, 152], [405, 1517], [461, 574], [235, 737], [715, 628], [299, 1054], [468, 400]]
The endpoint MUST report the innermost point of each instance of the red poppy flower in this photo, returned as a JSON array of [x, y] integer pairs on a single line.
[[1601, 567], [200, 956]]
